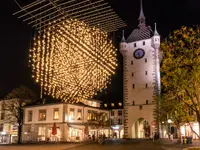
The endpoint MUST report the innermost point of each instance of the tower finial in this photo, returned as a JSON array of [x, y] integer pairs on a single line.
[[141, 17], [123, 38], [155, 30]]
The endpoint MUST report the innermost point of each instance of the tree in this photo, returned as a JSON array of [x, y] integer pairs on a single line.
[[173, 108], [180, 67], [14, 103]]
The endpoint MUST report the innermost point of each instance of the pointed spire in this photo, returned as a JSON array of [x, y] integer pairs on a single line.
[[155, 30], [123, 38], [141, 17]]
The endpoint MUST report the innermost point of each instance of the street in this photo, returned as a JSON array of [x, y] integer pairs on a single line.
[[139, 144]]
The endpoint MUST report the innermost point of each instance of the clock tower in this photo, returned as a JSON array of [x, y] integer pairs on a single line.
[[141, 79]]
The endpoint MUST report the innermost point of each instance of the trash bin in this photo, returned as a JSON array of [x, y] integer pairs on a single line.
[[189, 140]]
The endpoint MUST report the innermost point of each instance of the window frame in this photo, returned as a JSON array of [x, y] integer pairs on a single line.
[[119, 112], [40, 111], [54, 110], [29, 120]]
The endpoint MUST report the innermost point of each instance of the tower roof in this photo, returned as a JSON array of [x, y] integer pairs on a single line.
[[123, 38], [155, 30], [143, 32], [141, 17]]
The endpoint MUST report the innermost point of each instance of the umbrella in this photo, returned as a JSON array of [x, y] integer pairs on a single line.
[[54, 129]]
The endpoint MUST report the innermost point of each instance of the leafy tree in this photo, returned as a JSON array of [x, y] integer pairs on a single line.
[[14, 103], [173, 108], [181, 70]]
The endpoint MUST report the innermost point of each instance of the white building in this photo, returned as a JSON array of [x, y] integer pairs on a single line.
[[141, 79], [74, 122], [116, 118]]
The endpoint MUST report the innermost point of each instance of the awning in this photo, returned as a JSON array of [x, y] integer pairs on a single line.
[[77, 126]]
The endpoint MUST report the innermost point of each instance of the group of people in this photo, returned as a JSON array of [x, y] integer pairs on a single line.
[[100, 139]]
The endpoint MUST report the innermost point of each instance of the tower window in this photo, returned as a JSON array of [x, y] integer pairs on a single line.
[[134, 44], [133, 102], [146, 72], [147, 102], [146, 85], [143, 42], [140, 107], [132, 74], [131, 62], [145, 59], [133, 86]]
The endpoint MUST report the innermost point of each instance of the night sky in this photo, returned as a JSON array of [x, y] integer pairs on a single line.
[[16, 37]]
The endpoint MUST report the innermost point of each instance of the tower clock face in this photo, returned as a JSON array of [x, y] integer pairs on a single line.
[[138, 53]]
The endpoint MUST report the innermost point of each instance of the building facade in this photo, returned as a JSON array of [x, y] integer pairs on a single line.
[[116, 118], [141, 79], [74, 122]]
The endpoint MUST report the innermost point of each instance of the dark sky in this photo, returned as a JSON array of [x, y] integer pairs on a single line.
[[16, 37]]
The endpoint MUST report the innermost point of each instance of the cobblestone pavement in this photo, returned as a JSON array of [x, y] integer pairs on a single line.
[[55, 146], [110, 145]]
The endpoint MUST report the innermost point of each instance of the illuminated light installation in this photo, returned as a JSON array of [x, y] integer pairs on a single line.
[[72, 61]]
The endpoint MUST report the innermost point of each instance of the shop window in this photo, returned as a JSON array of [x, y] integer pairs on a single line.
[[52, 137], [119, 112], [41, 131], [112, 113], [79, 114], [30, 115], [42, 115], [71, 114], [56, 114]]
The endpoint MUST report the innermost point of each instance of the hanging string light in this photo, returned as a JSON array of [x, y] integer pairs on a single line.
[[72, 61]]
